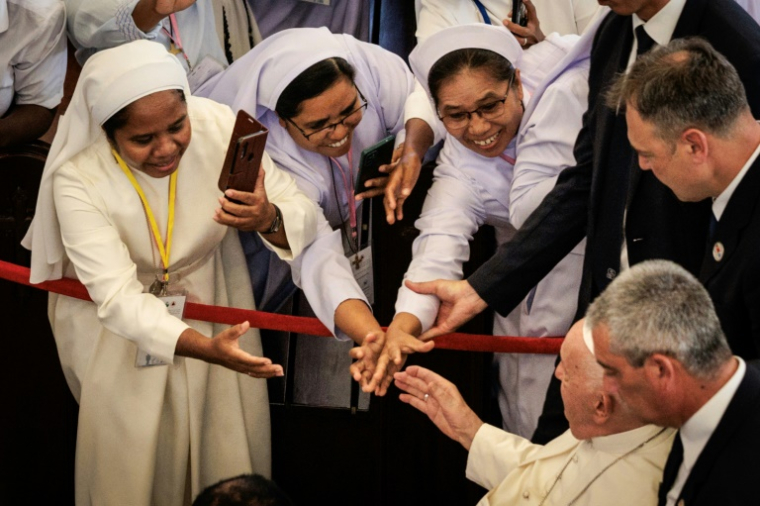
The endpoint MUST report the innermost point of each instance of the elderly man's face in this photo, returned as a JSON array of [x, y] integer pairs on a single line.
[[581, 383], [630, 383]]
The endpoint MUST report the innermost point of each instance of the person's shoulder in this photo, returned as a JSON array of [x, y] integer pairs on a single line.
[[39, 9]]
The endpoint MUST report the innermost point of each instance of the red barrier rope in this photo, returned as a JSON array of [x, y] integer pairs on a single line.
[[299, 324]]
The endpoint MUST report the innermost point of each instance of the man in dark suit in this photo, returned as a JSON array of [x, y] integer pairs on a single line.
[[674, 368], [627, 216], [689, 121]]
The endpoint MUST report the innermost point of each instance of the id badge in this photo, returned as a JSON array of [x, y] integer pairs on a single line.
[[175, 305], [202, 72], [361, 266]]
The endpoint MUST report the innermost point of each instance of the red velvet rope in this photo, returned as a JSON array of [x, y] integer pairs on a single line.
[[299, 324]]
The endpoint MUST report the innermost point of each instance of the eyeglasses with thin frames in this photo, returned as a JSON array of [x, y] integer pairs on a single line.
[[488, 111], [332, 126]]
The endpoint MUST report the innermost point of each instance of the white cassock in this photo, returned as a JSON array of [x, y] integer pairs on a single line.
[[94, 25], [143, 431], [470, 190], [254, 83], [32, 53], [515, 471]]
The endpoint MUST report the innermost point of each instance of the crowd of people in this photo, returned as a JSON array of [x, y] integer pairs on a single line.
[[612, 146]]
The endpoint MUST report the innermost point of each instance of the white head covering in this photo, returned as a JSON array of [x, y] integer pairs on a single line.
[[479, 36], [110, 80], [263, 73]]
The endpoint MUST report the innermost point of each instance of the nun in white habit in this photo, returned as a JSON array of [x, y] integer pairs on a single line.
[[158, 434], [509, 138], [324, 98]]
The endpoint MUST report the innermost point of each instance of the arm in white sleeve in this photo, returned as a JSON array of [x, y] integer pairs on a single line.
[[100, 24], [435, 15], [324, 274], [299, 214], [494, 454], [103, 264], [545, 147], [418, 105], [39, 68], [452, 213]]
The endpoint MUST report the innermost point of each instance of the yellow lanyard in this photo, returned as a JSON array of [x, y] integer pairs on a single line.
[[163, 251]]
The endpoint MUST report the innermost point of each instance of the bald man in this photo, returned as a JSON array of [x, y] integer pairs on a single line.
[[607, 456]]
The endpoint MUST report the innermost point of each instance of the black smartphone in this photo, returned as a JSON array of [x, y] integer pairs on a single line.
[[371, 160], [519, 13]]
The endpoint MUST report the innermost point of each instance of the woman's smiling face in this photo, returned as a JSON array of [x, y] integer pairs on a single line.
[[340, 105], [155, 135], [476, 89]]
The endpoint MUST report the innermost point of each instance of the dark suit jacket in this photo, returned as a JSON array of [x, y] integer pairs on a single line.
[[734, 280], [725, 473], [658, 226], [589, 199]]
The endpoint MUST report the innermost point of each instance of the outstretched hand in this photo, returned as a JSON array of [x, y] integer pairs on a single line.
[[459, 303], [405, 172], [382, 355], [224, 349], [441, 401]]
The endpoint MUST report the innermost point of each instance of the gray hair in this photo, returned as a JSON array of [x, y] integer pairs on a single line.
[[686, 84], [659, 307]]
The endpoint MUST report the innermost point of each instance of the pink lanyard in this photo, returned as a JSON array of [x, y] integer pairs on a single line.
[[348, 184], [507, 158], [176, 39]]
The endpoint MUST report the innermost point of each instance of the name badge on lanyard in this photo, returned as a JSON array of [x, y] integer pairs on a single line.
[[361, 256]]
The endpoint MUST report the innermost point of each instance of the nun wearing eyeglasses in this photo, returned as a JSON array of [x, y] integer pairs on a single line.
[[324, 98], [506, 140]]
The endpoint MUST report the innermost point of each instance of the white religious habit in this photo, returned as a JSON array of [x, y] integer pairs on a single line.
[[621, 469], [470, 190], [143, 432]]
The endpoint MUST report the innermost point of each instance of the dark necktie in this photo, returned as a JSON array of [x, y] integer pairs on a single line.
[[671, 470], [644, 41], [713, 226]]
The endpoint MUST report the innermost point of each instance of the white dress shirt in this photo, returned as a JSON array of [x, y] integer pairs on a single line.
[[720, 203], [698, 429], [32, 53]]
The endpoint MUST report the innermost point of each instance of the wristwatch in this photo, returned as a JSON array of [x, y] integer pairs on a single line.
[[276, 222]]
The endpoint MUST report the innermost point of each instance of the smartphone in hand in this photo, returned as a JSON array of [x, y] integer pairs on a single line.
[[519, 13], [244, 154], [371, 159]]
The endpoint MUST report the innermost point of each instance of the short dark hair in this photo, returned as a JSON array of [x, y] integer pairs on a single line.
[[468, 58], [243, 490], [686, 84], [120, 118], [311, 83]]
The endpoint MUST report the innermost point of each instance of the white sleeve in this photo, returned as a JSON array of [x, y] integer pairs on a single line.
[[103, 264], [299, 214], [452, 213], [100, 24], [323, 273], [39, 68], [435, 15], [494, 453], [546, 147], [418, 105]]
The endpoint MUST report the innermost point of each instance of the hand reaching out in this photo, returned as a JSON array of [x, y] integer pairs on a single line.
[[459, 303]]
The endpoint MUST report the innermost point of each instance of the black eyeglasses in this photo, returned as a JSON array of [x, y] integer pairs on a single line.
[[487, 111], [325, 129]]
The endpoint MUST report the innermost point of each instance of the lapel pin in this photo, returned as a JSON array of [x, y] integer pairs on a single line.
[[718, 251]]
